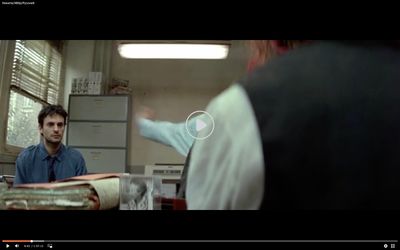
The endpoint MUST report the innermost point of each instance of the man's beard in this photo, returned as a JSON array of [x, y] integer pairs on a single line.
[[52, 142]]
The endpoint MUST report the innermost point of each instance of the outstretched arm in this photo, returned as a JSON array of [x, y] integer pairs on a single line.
[[167, 133]]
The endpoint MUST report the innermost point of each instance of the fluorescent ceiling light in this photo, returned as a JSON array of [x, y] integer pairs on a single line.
[[173, 51]]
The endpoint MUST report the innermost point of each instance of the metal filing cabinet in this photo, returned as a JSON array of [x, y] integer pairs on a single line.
[[99, 127]]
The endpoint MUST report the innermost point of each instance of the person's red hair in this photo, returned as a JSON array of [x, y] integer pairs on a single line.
[[263, 50]]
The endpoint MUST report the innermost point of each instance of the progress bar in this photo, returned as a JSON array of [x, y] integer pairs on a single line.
[[21, 241], [272, 241]]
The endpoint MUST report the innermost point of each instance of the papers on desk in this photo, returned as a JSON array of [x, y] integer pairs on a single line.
[[87, 192], [50, 199]]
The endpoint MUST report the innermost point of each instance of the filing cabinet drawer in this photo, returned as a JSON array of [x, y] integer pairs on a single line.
[[98, 108], [104, 160], [97, 134]]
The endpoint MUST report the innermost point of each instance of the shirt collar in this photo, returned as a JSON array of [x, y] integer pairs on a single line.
[[44, 155]]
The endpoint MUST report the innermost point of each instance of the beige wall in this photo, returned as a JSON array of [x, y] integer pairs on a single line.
[[174, 89], [78, 62]]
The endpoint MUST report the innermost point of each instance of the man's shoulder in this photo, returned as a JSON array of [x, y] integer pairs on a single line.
[[27, 154], [228, 102], [231, 111], [28, 151]]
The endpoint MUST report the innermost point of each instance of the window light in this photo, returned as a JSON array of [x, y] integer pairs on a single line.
[[173, 51]]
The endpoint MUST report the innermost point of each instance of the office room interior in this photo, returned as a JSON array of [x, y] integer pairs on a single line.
[[172, 88], [103, 130]]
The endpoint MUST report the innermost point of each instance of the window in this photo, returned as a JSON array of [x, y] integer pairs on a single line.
[[35, 81]]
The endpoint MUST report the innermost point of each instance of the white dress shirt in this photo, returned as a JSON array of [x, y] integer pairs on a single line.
[[227, 169], [170, 134]]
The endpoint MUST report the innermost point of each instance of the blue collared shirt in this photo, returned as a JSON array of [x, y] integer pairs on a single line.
[[33, 163]]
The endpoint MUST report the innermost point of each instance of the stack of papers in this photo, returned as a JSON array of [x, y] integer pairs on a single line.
[[86, 192]]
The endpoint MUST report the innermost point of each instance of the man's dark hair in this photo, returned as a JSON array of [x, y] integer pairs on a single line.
[[51, 110]]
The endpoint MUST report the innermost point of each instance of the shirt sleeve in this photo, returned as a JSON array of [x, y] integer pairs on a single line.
[[81, 166], [20, 177], [227, 169], [167, 133]]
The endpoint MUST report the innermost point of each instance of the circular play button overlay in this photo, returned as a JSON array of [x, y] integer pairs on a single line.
[[200, 125]]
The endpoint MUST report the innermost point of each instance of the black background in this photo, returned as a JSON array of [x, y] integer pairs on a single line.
[[122, 20]]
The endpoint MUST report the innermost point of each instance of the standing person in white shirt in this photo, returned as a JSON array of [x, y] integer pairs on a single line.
[[218, 170], [314, 128]]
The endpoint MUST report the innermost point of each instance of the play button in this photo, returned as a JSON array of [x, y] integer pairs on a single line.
[[200, 125]]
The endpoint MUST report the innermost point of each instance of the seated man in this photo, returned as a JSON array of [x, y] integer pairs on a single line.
[[50, 160]]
